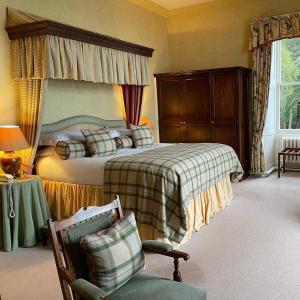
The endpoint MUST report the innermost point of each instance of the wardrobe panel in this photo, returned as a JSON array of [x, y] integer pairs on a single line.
[[228, 136], [171, 133], [197, 98], [170, 95], [224, 95], [197, 134]]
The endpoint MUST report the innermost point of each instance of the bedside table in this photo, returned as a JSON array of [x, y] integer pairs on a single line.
[[23, 212]]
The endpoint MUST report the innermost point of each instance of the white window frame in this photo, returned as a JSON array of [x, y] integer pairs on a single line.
[[276, 64]]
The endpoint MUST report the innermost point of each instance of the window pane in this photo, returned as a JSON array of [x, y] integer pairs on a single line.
[[290, 60], [290, 107]]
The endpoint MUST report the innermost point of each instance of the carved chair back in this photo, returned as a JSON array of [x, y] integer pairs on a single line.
[[58, 235]]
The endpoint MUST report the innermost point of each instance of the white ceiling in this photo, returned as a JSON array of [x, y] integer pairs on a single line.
[[175, 4]]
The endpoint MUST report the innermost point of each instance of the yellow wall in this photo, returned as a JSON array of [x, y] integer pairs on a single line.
[[215, 34], [66, 98], [210, 35], [117, 18]]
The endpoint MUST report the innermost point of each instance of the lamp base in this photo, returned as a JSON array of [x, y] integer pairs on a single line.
[[11, 163]]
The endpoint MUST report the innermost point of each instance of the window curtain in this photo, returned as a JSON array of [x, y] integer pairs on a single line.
[[32, 100], [263, 32], [133, 98]]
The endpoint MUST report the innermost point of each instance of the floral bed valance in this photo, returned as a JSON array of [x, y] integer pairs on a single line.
[[41, 57], [268, 29]]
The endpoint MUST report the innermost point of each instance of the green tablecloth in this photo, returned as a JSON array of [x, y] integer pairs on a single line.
[[31, 213]]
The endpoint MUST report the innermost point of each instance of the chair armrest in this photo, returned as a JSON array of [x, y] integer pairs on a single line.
[[164, 249], [87, 290]]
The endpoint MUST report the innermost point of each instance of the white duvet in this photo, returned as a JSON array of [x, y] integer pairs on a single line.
[[86, 170]]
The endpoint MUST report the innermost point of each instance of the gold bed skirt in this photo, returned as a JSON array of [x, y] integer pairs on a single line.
[[64, 199]]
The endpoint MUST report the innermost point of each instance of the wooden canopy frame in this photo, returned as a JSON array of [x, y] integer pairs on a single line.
[[48, 27]]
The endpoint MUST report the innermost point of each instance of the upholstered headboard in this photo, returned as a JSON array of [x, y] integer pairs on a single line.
[[79, 122]]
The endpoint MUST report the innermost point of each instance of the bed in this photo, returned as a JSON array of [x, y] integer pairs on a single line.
[[173, 189]]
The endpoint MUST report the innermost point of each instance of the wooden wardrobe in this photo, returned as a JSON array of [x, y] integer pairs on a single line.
[[206, 106]]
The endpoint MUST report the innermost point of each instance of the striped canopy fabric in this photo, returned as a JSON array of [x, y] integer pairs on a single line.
[[115, 254], [53, 57]]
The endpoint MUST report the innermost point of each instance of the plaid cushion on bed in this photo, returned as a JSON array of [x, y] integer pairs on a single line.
[[71, 149], [142, 136], [100, 142], [115, 254], [123, 142]]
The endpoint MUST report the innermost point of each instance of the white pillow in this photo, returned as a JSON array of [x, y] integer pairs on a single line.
[[51, 139], [49, 151], [119, 132]]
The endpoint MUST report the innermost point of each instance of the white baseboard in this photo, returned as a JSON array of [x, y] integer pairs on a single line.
[[273, 169], [266, 173]]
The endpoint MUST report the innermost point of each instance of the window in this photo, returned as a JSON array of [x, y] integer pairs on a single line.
[[286, 67]]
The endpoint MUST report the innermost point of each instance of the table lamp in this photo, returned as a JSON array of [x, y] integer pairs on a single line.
[[11, 139]]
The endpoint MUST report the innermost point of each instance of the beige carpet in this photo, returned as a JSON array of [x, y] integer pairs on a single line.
[[249, 251]]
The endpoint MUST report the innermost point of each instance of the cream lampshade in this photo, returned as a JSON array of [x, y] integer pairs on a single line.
[[11, 139]]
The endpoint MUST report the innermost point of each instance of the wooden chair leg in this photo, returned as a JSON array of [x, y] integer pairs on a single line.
[[278, 166], [176, 273], [283, 165]]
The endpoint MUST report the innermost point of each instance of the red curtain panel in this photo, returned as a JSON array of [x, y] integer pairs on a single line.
[[133, 97]]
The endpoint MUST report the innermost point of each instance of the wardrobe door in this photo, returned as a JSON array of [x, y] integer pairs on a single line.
[[225, 96], [225, 108], [227, 135], [196, 108], [170, 97], [194, 133]]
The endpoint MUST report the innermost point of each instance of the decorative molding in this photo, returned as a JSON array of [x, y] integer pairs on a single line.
[[48, 27], [77, 120], [168, 13], [194, 72], [153, 7]]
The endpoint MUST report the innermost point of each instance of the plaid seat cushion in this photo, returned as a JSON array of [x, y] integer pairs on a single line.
[[100, 142], [123, 142], [142, 136], [71, 149], [115, 254]]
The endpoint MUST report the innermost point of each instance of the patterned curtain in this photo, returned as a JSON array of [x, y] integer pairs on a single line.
[[32, 99], [133, 98], [263, 32]]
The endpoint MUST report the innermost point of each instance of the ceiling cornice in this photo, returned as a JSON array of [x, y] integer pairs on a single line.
[[149, 5], [158, 9]]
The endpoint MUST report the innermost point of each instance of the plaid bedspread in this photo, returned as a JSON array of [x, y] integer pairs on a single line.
[[158, 184]]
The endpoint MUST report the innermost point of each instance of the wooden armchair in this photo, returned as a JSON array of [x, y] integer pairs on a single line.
[[73, 270]]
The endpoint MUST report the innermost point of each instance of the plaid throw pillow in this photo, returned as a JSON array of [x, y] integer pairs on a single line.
[[115, 254], [100, 142], [123, 142], [71, 149], [141, 136]]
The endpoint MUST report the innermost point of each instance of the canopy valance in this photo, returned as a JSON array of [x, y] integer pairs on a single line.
[[46, 49], [47, 56]]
